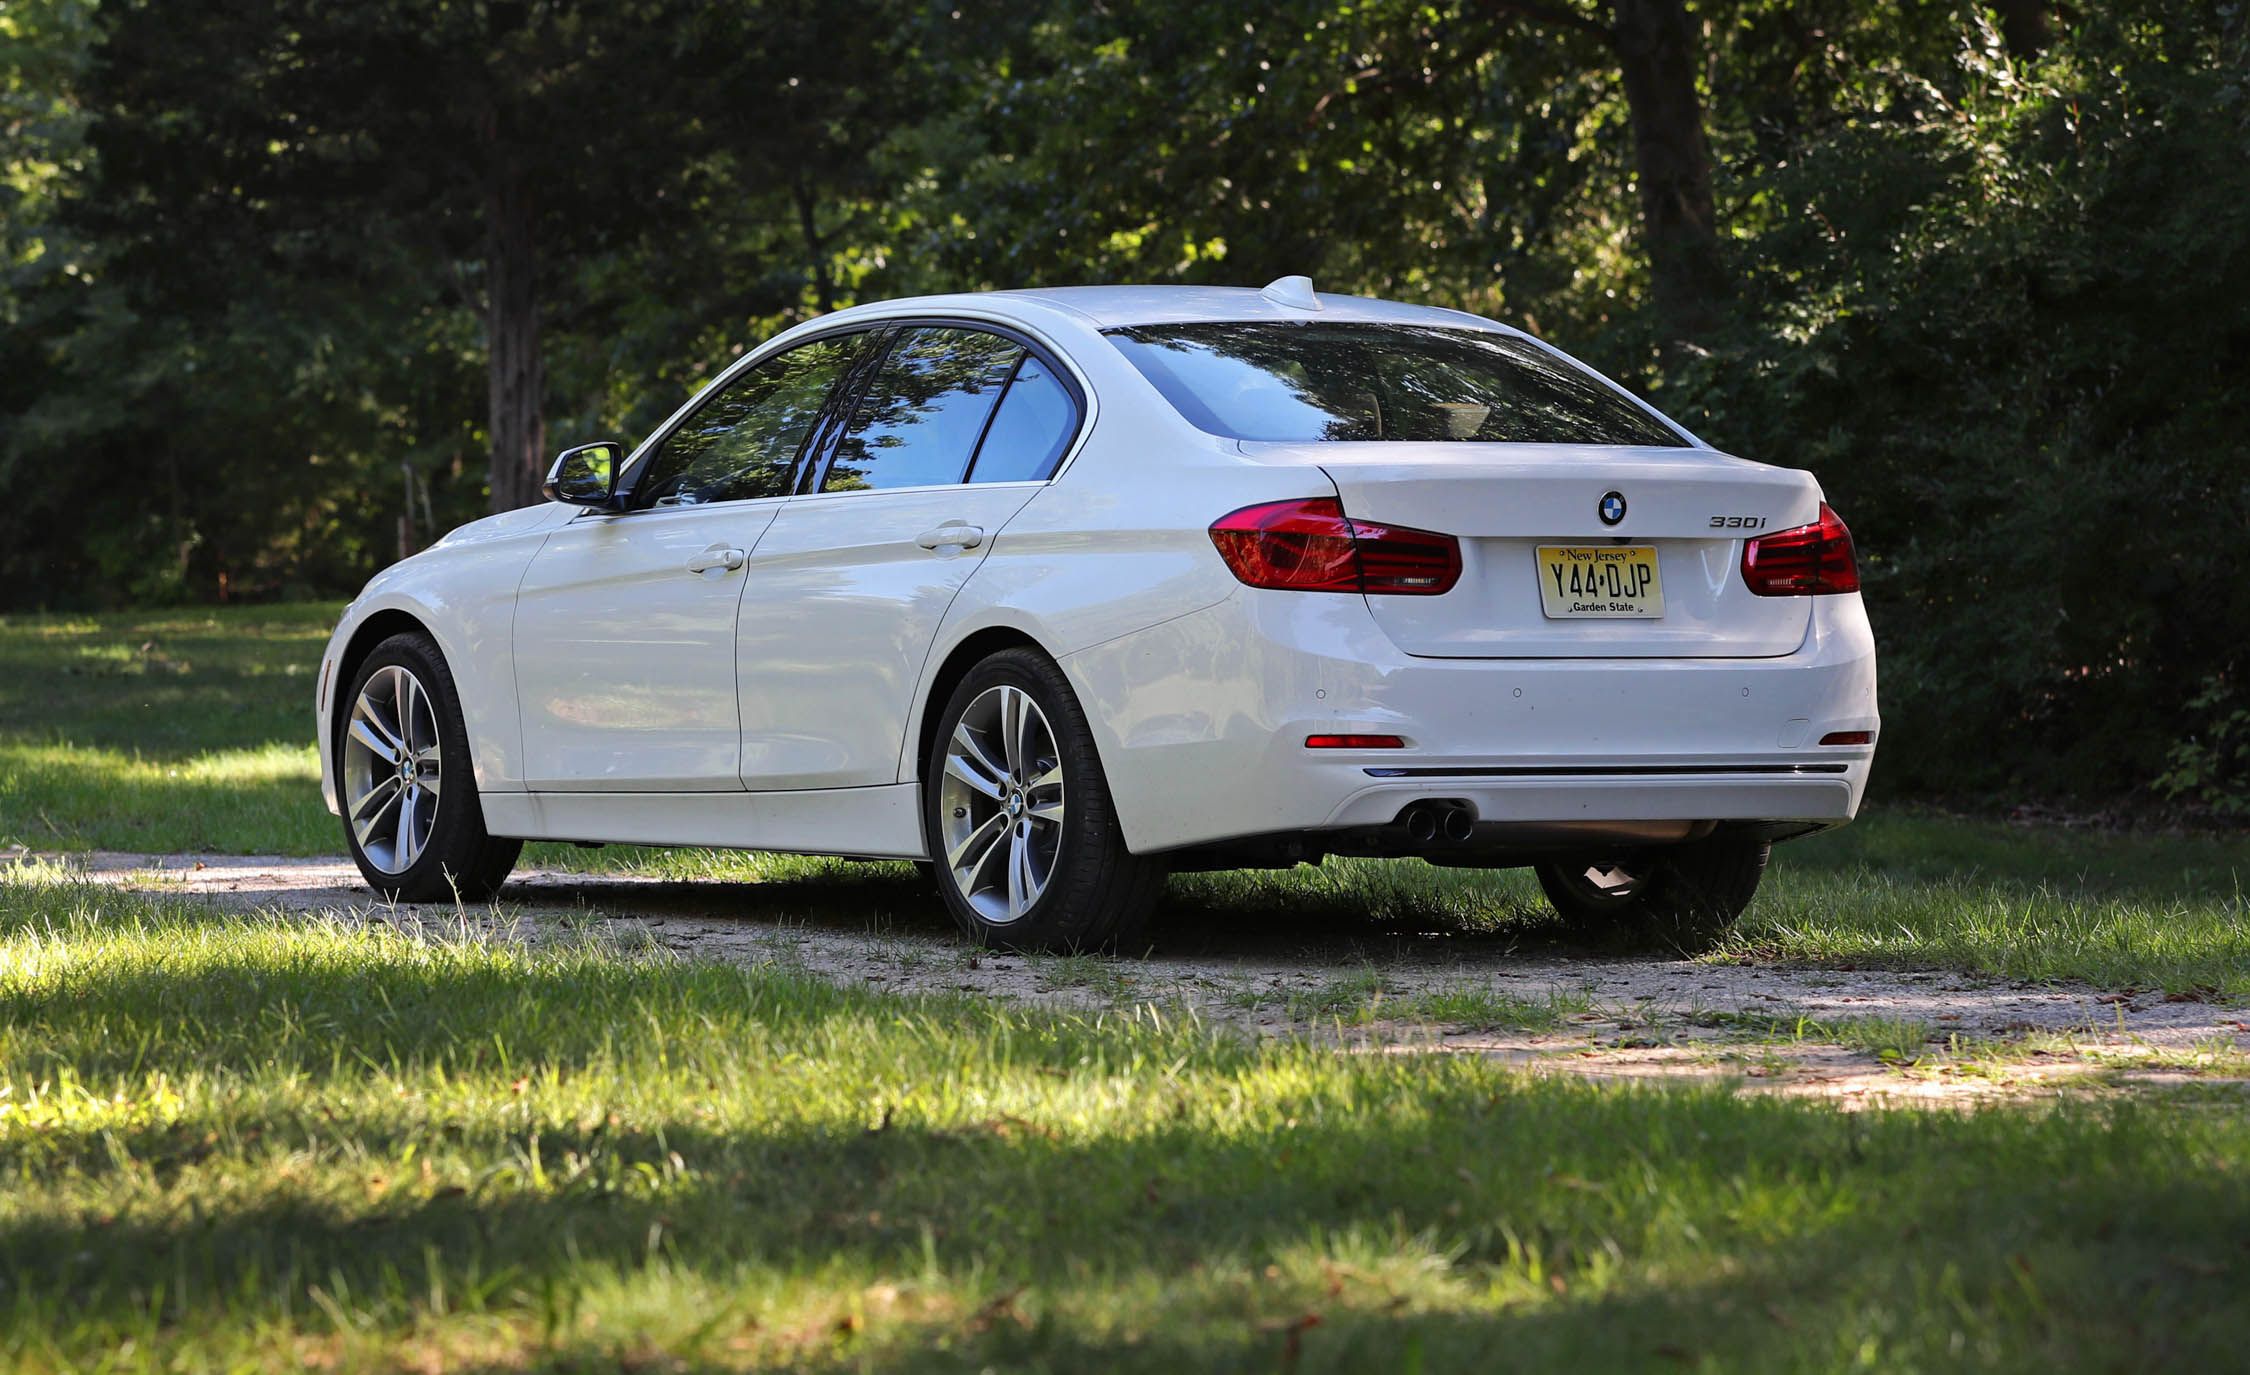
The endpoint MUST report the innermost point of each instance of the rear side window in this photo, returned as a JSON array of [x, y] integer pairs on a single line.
[[924, 410], [1417, 383], [743, 442], [1031, 428]]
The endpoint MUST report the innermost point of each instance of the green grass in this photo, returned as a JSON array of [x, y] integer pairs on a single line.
[[188, 731], [1366, 998], [233, 1143], [1893, 1040], [163, 731]]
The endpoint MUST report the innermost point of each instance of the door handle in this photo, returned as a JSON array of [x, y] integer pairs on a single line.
[[954, 534], [717, 556]]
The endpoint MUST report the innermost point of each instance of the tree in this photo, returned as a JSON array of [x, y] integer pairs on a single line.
[[1655, 48], [1322, 135], [500, 144]]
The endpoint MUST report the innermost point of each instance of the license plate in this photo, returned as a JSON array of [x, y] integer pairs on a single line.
[[1586, 581]]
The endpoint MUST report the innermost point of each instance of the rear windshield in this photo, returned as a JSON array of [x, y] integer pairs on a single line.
[[1295, 382]]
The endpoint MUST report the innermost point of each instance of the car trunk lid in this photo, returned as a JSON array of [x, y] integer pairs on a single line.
[[1506, 503]]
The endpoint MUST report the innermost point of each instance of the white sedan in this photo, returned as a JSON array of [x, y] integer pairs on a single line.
[[1060, 591]]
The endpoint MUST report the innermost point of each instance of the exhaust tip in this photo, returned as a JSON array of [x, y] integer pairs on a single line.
[[1421, 823], [1460, 823]]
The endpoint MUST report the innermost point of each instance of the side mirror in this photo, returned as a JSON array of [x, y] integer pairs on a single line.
[[586, 476]]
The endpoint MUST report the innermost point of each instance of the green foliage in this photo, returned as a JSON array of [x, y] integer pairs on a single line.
[[2000, 313], [2212, 766]]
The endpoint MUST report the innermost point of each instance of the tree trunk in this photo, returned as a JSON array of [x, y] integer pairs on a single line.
[[1656, 55], [2023, 26], [516, 423], [816, 253]]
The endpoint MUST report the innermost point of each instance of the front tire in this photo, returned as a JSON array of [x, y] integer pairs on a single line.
[[1028, 853], [411, 813], [1684, 897]]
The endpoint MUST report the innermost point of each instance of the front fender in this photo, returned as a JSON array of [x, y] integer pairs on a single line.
[[462, 591]]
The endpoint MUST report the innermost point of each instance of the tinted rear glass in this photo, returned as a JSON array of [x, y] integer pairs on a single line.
[[1296, 382], [1031, 429]]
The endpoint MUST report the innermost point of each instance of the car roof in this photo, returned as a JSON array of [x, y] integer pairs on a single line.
[[1112, 307]]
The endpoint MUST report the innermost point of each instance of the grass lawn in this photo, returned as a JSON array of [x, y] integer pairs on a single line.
[[163, 731], [169, 731], [236, 1143]]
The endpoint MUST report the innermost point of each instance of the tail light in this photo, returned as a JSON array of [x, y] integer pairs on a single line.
[[1310, 545], [1354, 742], [1808, 561]]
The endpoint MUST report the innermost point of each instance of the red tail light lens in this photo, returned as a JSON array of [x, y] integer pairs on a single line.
[[1808, 561], [1354, 742], [1310, 545]]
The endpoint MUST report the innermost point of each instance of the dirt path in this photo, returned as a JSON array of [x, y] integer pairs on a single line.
[[1550, 1009]]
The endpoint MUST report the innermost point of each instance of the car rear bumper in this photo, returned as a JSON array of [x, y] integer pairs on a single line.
[[1202, 721]]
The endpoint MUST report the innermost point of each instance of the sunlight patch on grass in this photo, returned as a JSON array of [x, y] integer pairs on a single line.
[[73, 797], [2198, 944]]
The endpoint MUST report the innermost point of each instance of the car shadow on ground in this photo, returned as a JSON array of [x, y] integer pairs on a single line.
[[1191, 922]]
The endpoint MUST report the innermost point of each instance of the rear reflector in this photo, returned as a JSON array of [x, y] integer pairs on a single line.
[[1354, 742], [1848, 737], [1808, 561], [1310, 545]]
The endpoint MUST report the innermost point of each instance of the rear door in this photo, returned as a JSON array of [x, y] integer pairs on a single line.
[[954, 431], [625, 623]]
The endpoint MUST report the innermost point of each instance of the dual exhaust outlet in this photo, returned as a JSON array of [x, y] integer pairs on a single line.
[[1427, 823]]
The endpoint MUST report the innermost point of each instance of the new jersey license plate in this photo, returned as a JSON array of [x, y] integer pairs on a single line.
[[1587, 581]]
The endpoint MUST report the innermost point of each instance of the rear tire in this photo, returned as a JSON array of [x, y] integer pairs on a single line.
[[412, 817], [1028, 853], [1682, 897]]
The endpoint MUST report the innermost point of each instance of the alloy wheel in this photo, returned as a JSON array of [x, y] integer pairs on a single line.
[[392, 769], [1001, 804]]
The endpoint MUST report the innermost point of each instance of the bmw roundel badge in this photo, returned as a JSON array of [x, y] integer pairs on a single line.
[[1612, 508]]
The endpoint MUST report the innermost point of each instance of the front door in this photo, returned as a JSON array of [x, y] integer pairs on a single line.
[[625, 623], [625, 650]]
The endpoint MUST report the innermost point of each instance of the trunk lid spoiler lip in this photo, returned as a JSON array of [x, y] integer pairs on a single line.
[[1619, 461]]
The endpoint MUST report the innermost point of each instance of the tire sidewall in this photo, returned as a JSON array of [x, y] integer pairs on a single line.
[[459, 827], [1081, 777]]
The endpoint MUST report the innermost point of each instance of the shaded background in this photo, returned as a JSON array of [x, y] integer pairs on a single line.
[[290, 287]]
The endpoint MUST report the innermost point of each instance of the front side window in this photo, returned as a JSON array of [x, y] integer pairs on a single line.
[[1299, 382], [743, 442], [924, 410]]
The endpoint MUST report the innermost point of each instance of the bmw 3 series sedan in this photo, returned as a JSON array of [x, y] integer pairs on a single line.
[[1056, 592]]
